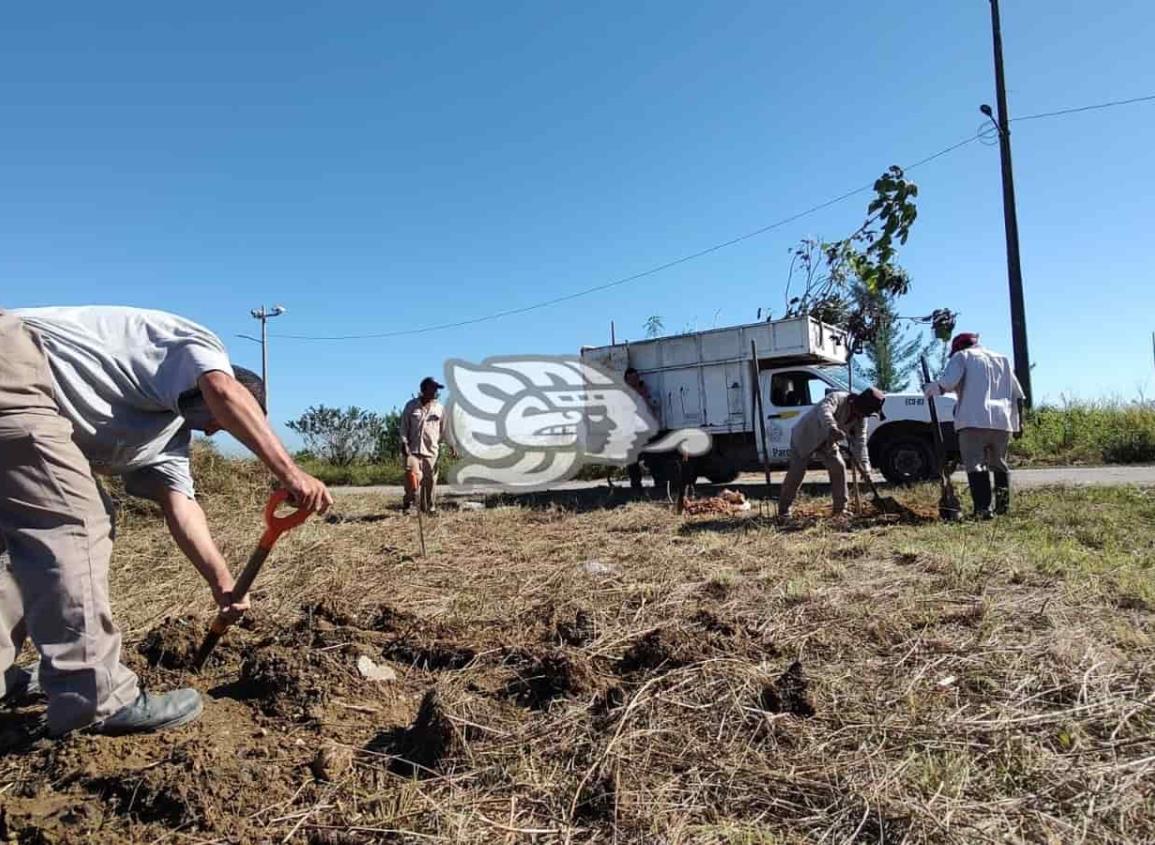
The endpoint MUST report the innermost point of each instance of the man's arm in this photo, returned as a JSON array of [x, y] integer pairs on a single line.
[[826, 413], [189, 528], [238, 413]]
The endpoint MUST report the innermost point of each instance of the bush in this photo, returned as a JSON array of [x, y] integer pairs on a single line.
[[340, 436], [1104, 432]]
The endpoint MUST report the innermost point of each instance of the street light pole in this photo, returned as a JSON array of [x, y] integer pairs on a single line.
[[265, 314], [1010, 218]]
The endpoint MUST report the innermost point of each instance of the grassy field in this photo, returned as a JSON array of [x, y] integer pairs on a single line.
[[626, 675]]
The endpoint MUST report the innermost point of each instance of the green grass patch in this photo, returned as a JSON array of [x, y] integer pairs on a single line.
[[1102, 432]]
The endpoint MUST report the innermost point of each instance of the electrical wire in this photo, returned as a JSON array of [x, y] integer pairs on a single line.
[[509, 312]]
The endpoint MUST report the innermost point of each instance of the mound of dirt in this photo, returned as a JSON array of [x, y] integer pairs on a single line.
[[656, 652], [789, 694], [426, 746], [577, 631], [173, 643], [287, 682], [435, 656], [541, 679], [390, 620], [326, 610]]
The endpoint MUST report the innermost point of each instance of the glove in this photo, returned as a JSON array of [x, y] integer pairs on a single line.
[[931, 389]]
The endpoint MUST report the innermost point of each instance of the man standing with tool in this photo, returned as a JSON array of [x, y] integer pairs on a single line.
[[987, 413], [839, 416], [423, 426], [634, 470], [113, 391]]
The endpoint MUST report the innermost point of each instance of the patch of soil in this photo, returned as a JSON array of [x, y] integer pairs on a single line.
[[655, 652], [287, 682], [790, 693], [597, 800], [541, 679], [712, 623], [432, 656], [578, 631], [326, 610], [173, 644], [390, 620], [426, 745]]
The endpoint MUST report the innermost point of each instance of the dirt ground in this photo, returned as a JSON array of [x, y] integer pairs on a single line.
[[627, 675]]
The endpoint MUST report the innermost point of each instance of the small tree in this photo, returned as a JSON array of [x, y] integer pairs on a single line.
[[654, 326], [892, 357], [388, 446], [831, 272], [339, 436]]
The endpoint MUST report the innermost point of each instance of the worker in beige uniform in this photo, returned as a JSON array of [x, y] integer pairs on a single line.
[[988, 412], [839, 416], [115, 391], [423, 426]]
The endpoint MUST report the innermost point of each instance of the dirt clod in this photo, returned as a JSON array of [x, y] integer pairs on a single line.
[[285, 681], [578, 631], [541, 679], [790, 693], [657, 651], [331, 762], [430, 656], [173, 644]]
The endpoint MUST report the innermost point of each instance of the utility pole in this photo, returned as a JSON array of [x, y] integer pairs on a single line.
[[265, 314], [1010, 218]]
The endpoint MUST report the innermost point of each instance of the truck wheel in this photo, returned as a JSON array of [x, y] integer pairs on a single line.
[[907, 459]]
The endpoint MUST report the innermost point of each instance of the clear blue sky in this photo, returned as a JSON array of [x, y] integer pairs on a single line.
[[378, 166]]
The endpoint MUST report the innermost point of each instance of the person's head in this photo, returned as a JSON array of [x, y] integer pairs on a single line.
[[195, 410], [962, 341], [632, 378], [429, 388], [869, 402]]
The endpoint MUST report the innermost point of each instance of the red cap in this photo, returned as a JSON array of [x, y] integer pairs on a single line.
[[963, 341]]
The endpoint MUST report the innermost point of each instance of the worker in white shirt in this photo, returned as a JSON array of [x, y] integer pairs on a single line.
[[988, 412]]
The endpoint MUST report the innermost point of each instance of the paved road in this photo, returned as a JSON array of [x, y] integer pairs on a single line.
[[1024, 478]]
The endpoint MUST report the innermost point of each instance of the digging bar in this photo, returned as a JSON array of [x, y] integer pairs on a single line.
[[275, 526], [948, 503], [886, 504]]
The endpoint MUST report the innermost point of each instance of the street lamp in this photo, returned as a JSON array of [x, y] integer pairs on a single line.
[[264, 314], [1010, 218]]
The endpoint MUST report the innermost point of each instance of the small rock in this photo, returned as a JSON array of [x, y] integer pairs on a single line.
[[331, 762], [471, 506], [597, 567], [374, 672]]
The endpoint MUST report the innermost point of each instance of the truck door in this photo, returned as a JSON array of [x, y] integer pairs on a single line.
[[786, 396]]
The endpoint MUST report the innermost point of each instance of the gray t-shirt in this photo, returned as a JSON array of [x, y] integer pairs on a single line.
[[119, 374]]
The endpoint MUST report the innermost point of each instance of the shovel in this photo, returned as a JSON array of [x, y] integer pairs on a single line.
[[948, 503], [885, 504], [275, 526]]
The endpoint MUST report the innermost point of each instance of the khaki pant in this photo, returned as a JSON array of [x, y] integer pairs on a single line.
[[425, 471], [984, 449], [799, 462], [58, 534]]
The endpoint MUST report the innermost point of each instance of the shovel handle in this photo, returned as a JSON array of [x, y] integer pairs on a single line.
[[275, 526]]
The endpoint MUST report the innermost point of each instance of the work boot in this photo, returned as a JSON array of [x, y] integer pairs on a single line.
[[152, 713], [23, 684], [980, 484], [1002, 492]]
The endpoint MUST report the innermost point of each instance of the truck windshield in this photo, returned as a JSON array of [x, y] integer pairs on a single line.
[[836, 376]]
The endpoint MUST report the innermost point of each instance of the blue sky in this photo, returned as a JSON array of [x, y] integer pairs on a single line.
[[378, 167]]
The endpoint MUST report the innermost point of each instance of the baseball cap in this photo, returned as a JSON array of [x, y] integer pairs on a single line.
[[429, 381]]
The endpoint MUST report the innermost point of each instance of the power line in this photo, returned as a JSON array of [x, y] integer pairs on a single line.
[[509, 312]]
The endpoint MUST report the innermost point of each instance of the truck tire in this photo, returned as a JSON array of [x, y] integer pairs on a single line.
[[907, 458]]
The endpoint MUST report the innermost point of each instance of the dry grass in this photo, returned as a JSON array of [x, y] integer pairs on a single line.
[[628, 676]]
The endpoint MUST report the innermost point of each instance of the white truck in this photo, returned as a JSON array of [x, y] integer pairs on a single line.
[[706, 380]]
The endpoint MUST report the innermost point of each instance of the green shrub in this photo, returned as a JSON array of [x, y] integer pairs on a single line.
[[1102, 432]]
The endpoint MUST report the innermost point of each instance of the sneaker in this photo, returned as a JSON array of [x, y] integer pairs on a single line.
[[152, 713], [23, 686]]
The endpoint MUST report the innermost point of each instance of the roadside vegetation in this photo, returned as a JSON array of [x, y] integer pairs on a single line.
[[1088, 432], [623, 675]]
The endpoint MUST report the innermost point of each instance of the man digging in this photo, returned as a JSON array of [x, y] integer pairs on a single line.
[[839, 416], [113, 391], [987, 413]]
